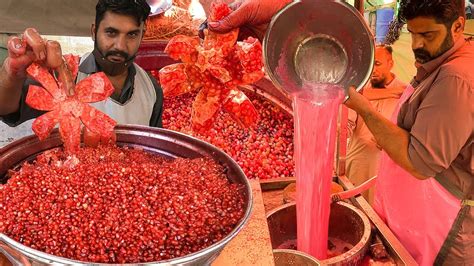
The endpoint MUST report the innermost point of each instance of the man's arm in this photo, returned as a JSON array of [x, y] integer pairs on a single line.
[[393, 139], [10, 90], [21, 53], [156, 115], [352, 118]]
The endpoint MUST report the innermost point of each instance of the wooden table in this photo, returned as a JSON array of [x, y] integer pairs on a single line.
[[252, 245]]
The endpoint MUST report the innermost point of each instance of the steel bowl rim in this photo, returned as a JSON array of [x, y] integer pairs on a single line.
[[296, 252], [360, 244], [273, 21], [179, 260]]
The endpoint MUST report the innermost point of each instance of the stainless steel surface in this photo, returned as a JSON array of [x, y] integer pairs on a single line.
[[396, 249], [164, 142], [267, 90], [346, 223], [287, 257], [318, 42], [159, 6]]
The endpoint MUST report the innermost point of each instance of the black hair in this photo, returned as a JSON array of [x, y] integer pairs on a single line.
[[443, 11], [387, 48], [139, 9]]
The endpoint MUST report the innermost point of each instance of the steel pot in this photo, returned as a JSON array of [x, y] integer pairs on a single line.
[[318, 41], [160, 141], [346, 223]]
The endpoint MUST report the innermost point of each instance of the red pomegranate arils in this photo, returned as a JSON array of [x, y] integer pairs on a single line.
[[223, 64], [119, 205], [241, 108], [264, 151], [183, 48]]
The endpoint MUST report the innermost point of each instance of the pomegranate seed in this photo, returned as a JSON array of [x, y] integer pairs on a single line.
[[264, 151], [119, 205]]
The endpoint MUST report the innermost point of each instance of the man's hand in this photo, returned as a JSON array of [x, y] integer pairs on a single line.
[[358, 102], [251, 14], [23, 51]]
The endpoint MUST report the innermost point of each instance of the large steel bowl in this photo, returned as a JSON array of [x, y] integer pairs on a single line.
[[346, 223], [160, 141], [286, 257], [318, 41]]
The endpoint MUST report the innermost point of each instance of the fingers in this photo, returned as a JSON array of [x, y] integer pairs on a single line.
[[233, 21], [54, 55], [19, 58], [15, 47], [36, 42], [236, 4], [350, 95], [351, 90], [202, 27]]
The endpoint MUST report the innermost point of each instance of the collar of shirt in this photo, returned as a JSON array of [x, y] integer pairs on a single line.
[[427, 68], [89, 66]]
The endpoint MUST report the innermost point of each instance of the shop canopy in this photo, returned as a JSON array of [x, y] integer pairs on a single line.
[[50, 17]]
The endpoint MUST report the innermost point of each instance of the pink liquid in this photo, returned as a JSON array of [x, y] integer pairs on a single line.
[[336, 246], [315, 111]]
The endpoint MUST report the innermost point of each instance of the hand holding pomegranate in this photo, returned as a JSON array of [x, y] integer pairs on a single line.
[[29, 48], [251, 16]]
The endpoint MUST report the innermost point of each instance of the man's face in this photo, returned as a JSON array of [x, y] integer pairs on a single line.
[[429, 39], [118, 36], [382, 66]]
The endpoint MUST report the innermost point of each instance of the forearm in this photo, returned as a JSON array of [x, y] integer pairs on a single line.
[[10, 91], [393, 139]]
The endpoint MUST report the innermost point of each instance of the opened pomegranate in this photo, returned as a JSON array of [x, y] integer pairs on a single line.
[[67, 103], [215, 68], [264, 151], [119, 205]]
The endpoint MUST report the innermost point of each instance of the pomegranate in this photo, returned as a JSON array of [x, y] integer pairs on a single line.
[[264, 151], [215, 68], [67, 103]]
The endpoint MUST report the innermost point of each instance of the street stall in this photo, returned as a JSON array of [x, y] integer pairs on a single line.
[[254, 162]]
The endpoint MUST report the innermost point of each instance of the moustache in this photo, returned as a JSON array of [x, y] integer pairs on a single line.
[[422, 55], [125, 55]]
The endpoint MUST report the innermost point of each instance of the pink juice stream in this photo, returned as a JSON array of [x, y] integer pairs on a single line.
[[315, 114]]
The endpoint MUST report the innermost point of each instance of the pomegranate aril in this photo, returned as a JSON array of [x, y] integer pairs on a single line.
[[183, 48], [273, 135], [110, 209]]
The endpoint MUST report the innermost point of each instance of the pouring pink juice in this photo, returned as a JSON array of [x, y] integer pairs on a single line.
[[315, 113]]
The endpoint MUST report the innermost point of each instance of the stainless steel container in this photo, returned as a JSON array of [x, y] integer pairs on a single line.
[[160, 141], [346, 223], [286, 257], [318, 41]]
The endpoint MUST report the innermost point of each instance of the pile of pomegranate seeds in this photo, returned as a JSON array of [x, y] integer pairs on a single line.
[[119, 205], [264, 151]]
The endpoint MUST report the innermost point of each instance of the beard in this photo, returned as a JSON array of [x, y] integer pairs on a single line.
[[422, 56], [378, 83], [112, 68]]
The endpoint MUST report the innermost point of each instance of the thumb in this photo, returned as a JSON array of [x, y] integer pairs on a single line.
[[15, 47], [234, 20]]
